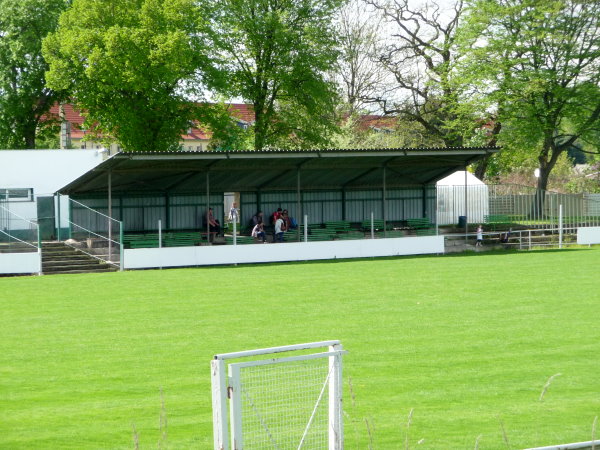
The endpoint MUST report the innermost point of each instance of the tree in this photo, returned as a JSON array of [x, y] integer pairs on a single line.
[[275, 54], [421, 54], [539, 64], [126, 64], [24, 96], [357, 72]]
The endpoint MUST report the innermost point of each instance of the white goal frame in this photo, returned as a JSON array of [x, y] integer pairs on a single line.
[[226, 390]]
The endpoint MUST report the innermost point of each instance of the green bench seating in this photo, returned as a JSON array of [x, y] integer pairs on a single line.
[[377, 224], [320, 234], [419, 224], [338, 225], [149, 240], [181, 239], [169, 239]]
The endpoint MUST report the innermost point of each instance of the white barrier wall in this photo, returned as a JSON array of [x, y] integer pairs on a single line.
[[14, 263], [588, 235], [293, 251]]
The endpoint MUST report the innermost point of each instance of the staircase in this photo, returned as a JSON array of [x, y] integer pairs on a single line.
[[60, 258]]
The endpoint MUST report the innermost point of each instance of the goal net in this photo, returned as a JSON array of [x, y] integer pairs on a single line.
[[292, 401]]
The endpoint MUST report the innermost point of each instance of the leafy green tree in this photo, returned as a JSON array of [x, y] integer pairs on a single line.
[[538, 65], [127, 64], [373, 131], [24, 96], [274, 54]]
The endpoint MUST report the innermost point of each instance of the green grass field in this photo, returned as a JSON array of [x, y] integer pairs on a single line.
[[467, 342]]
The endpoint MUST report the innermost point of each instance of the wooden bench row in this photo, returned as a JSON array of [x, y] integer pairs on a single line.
[[169, 239], [419, 224]]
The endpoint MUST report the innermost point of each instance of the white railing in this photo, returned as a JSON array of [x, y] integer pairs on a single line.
[[94, 233], [20, 251], [13, 225]]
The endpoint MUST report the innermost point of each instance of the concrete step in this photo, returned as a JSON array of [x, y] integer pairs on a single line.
[[78, 267], [68, 262], [57, 253], [64, 272], [60, 258], [74, 257]]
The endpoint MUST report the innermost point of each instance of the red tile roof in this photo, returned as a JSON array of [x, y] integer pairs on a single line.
[[371, 121], [240, 111]]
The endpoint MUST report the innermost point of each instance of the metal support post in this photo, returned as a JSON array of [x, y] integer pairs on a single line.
[[520, 240], [298, 197], [109, 220], [305, 227], [560, 225], [160, 244], [336, 423], [219, 399], [121, 249], [207, 207], [235, 231], [466, 207], [372, 226], [58, 217], [383, 205], [160, 241], [167, 212]]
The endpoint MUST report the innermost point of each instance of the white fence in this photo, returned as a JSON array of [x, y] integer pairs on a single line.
[[294, 251]]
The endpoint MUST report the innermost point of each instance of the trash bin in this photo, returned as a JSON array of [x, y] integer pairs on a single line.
[[462, 221]]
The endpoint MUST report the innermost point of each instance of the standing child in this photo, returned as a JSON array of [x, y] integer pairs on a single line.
[[479, 242]]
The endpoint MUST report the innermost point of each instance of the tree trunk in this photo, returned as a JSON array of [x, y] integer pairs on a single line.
[[259, 132], [29, 135], [481, 167], [547, 159]]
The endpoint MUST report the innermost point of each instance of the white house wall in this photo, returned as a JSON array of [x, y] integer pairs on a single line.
[[45, 171]]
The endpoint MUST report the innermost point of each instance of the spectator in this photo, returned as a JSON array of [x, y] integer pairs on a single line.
[[257, 218], [213, 224], [479, 242], [276, 215], [259, 232], [504, 237], [286, 220], [279, 229], [233, 213]]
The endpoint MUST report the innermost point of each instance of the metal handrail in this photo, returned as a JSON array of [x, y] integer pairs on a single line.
[[94, 211], [117, 264], [95, 234], [17, 239], [20, 217]]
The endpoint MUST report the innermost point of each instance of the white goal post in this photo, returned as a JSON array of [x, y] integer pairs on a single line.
[[289, 401]]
